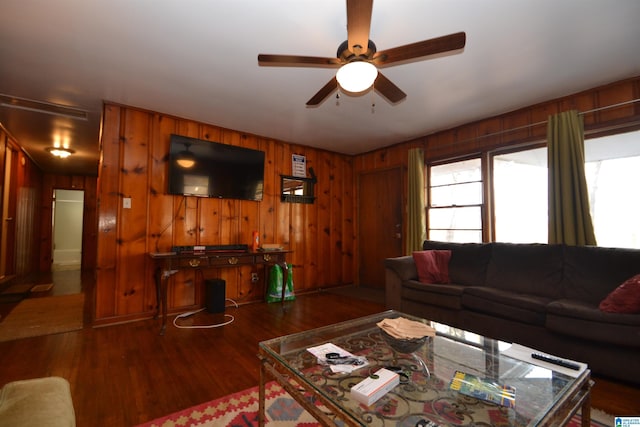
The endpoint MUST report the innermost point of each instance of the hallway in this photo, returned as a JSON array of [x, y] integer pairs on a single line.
[[65, 282]]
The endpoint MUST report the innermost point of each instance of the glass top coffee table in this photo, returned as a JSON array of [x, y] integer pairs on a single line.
[[543, 396]]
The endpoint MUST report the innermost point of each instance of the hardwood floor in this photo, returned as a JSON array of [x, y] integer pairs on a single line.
[[126, 374]]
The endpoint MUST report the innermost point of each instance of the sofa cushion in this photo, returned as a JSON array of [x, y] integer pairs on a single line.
[[432, 266], [592, 272], [523, 308], [624, 299], [441, 295], [468, 264], [534, 269], [586, 320]]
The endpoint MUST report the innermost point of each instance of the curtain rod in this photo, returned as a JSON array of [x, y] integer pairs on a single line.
[[620, 104]]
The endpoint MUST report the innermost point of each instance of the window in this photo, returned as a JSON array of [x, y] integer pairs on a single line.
[[520, 196], [455, 201], [612, 169], [612, 166], [519, 208]]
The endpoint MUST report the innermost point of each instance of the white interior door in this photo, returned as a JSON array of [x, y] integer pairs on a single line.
[[67, 229]]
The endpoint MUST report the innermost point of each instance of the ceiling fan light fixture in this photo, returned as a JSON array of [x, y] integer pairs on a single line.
[[357, 76], [61, 152], [186, 159]]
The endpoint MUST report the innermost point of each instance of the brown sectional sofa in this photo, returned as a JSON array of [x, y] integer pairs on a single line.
[[541, 296]]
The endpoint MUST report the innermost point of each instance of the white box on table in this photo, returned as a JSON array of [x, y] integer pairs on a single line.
[[369, 390]]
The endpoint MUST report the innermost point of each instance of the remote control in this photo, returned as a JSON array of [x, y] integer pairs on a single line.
[[556, 361]]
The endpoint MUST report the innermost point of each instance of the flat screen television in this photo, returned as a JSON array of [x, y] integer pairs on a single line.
[[212, 169]]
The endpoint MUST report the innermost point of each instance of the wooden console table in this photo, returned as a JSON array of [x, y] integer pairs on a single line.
[[169, 263]]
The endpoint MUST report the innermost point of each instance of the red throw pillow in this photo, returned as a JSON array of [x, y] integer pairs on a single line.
[[432, 266], [625, 298]]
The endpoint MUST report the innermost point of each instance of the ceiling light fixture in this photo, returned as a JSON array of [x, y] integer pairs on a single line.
[[357, 76], [61, 152]]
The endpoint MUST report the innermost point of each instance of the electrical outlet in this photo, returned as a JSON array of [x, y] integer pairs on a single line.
[[254, 277], [126, 203]]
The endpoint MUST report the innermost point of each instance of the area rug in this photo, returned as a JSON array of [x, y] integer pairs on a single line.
[[15, 293], [241, 410], [43, 316], [42, 288]]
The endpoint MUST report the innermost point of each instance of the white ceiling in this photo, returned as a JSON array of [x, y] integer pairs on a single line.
[[197, 59]]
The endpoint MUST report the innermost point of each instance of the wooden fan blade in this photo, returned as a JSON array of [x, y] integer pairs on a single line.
[[324, 92], [387, 89], [358, 25], [297, 61], [416, 50]]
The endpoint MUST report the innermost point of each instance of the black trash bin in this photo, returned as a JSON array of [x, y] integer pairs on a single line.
[[215, 295]]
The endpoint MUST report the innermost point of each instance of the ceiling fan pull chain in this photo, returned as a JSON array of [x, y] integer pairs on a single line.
[[373, 100]]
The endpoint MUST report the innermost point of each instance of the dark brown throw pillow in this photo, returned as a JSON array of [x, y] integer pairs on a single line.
[[432, 266], [625, 298]]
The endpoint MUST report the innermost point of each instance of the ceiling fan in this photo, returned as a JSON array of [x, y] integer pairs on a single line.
[[359, 51]]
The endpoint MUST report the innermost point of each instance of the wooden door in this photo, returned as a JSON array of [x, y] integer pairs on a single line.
[[380, 223]]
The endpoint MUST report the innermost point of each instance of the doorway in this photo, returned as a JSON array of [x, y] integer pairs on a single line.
[[380, 223], [68, 211]]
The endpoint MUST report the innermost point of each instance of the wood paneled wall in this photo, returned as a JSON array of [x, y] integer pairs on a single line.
[[23, 191], [322, 236], [606, 109], [135, 146]]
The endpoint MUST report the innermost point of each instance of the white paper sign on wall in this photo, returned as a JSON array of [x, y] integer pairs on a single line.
[[299, 165]]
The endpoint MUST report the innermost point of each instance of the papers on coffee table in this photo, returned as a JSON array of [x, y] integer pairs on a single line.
[[322, 350], [484, 389], [521, 352]]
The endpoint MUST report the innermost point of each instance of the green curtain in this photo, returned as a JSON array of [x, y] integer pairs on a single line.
[[416, 220], [569, 216]]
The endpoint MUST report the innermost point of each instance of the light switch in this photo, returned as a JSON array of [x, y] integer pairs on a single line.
[[126, 203]]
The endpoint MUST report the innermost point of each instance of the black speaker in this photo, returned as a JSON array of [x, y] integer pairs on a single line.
[[215, 295]]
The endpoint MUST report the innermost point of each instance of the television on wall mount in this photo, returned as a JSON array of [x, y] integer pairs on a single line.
[[212, 169]]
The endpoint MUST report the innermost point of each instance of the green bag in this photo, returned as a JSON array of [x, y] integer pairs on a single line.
[[274, 291]]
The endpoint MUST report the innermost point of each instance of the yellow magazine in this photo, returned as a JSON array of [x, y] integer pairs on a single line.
[[484, 389]]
